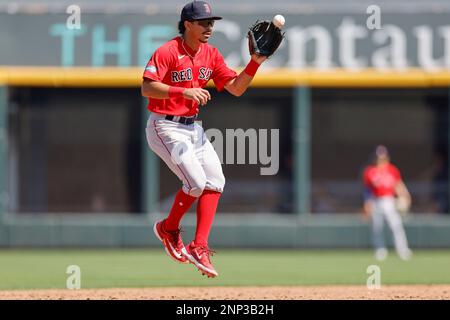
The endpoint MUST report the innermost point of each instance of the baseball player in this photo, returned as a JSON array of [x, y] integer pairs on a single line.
[[383, 182], [173, 81]]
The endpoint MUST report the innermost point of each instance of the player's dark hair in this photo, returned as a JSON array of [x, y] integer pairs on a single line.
[[181, 27]]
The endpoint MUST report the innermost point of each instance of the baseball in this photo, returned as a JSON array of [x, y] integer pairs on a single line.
[[278, 21]]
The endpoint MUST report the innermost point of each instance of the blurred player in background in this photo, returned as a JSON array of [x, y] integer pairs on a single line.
[[383, 183]]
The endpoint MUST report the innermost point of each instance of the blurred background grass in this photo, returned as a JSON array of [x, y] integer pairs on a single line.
[[39, 269]]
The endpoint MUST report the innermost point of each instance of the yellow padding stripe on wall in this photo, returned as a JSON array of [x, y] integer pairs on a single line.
[[132, 77]]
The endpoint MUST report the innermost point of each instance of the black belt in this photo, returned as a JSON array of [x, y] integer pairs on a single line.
[[182, 120]]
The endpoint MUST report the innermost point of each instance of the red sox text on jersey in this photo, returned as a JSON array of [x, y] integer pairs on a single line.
[[175, 64]]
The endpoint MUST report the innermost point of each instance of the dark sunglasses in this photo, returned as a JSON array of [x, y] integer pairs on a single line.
[[206, 23]]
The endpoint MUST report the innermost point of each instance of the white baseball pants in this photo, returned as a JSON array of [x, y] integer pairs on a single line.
[[187, 152], [384, 208]]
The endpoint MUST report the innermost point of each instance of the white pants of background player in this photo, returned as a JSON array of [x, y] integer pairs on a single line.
[[384, 208], [187, 152]]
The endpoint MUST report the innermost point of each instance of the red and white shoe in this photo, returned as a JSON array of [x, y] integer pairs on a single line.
[[172, 241], [200, 257]]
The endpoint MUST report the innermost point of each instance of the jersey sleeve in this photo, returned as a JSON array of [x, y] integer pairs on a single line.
[[158, 65], [222, 74]]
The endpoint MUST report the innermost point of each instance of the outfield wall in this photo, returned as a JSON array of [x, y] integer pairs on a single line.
[[229, 230], [75, 140]]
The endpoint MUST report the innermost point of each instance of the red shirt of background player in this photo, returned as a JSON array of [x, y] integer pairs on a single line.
[[381, 180], [175, 64]]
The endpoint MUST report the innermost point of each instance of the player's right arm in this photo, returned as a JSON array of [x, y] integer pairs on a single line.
[[158, 90], [368, 202], [239, 85]]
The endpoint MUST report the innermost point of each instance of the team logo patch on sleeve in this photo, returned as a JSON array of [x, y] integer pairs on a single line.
[[151, 69]]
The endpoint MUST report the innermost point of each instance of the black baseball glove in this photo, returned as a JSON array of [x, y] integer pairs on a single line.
[[264, 38]]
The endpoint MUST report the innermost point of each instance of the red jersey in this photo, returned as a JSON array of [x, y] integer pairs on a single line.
[[175, 64], [382, 180]]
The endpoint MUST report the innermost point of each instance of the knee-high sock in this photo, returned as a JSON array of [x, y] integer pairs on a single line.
[[180, 206], [206, 210]]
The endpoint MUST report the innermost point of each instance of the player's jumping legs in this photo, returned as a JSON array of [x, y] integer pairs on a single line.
[[180, 206], [173, 143], [198, 251], [215, 182], [168, 231], [206, 210]]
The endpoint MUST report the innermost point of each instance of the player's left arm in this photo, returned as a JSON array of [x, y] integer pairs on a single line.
[[264, 38], [239, 85], [403, 202], [400, 188]]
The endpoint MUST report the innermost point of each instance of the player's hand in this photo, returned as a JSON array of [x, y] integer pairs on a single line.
[[367, 210], [199, 95], [258, 59]]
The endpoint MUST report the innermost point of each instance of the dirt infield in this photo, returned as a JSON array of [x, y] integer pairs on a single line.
[[404, 292]]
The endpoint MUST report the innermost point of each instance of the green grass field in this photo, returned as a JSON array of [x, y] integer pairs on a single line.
[[33, 269]]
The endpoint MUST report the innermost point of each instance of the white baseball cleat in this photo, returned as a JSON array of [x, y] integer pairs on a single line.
[[405, 255], [381, 254]]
